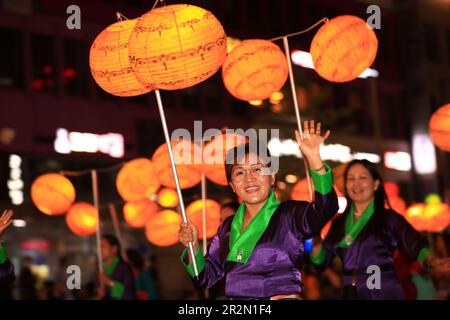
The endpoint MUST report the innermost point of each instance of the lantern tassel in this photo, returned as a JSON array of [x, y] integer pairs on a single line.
[[96, 205], [175, 175], [297, 110]]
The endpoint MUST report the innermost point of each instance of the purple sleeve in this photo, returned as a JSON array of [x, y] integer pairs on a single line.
[[310, 217], [6, 272], [210, 267], [126, 278], [408, 238]]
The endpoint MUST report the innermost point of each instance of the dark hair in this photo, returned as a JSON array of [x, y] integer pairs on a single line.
[[113, 241], [135, 258], [380, 194], [236, 154]]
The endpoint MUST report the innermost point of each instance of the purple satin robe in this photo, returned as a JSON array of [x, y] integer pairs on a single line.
[[123, 274], [275, 263], [374, 246]]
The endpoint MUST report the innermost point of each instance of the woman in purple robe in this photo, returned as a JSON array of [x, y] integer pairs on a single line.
[[116, 281], [365, 237], [258, 251]]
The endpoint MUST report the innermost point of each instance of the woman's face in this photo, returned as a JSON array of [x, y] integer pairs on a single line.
[[249, 181], [360, 185], [108, 251]]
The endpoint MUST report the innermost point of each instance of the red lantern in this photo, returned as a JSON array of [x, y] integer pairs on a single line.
[[167, 198], [188, 158], [195, 213], [136, 214], [300, 192], [82, 219], [109, 62], [438, 215], [397, 204], [440, 128], [52, 193], [137, 180], [254, 69], [162, 229], [343, 48], [214, 156], [177, 46]]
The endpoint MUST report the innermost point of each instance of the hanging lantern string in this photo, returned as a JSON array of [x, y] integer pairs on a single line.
[[120, 16], [323, 20], [88, 171]]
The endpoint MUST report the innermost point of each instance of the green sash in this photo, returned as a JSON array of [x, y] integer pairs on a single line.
[[352, 228], [242, 244]]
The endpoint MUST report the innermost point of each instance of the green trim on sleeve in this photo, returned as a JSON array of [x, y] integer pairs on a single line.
[[117, 290], [320, 257], [3, 254], [190, 267], [423, 254], [323, 183]]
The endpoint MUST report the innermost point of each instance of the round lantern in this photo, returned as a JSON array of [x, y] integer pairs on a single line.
[[254, 70], [82, 219], [392, 189], [343, 48], [415, 216], [109, 62], [167, 198], [438, 215], [397, 204], [195, 213], [162, 229], [440, 128], [137, 180], [300, 192], [52, 193], [214, 154], [177, 46], [188, 160], [136, 214]]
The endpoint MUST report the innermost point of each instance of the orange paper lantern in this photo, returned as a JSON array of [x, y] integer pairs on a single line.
[[438, 215], [397, 204], [82, 219], [109, 62], [214, 156], [52, 193], [343, 48], [186, 155], [440, 128], [167, 198], [137, 180], [195, 213], [162, 228], [254, 70], [177, 46], [136, 214], [300, 192], [415, 216]]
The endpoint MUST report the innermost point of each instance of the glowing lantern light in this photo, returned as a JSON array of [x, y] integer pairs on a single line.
[[391, 189], [177, 46], [326, 229], [397, 204], [186, 155], [109, 62], [414, 215], [338, 177], [167, 198], [438, 215], [52, 193], [214, 154], [137, 180], [440, 128], [136, 214], [195, 213], [300, 192], [162, 229], [254, 70], [82, 219], [343, 48], [433, 198]]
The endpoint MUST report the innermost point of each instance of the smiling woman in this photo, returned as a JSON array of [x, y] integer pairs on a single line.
[[258, 250]]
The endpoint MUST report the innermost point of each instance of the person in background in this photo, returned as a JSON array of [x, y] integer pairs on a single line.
[[116, 280], [367, 234], [7, 275], [228, 209], [145, 287], [27, 280]]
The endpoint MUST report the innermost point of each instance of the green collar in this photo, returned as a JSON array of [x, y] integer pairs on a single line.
[[352, 228], [109, 269], [242, 245]]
